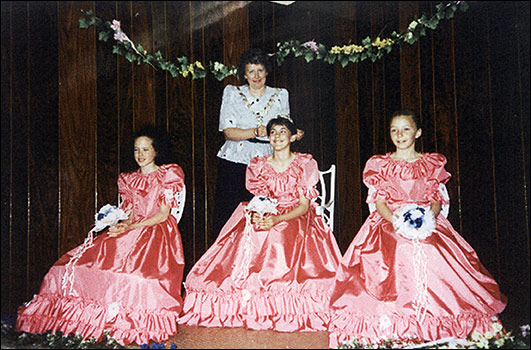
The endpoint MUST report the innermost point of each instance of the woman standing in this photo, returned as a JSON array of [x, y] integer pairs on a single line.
[[245, 112]]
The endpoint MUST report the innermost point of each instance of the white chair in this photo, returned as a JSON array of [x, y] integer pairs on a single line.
[[442, 188], [327, 195], [181, 199]]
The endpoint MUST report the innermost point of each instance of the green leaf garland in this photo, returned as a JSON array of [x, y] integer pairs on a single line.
[[373, 49]]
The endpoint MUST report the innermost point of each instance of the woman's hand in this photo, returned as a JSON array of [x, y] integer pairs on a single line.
[[300, 134], [261, 131]]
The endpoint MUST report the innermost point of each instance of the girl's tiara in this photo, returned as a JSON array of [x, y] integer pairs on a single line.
[[286, 116]]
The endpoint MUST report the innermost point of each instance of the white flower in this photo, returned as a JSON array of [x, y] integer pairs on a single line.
[[262, 205], [108, 215], [413, 221], [218, 66]]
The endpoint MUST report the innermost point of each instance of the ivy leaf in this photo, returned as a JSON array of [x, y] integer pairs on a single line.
[[130, 56], [83, 23], [103, 36]]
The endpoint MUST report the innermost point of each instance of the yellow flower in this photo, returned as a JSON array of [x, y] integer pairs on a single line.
[[335, 49], [476, 336], [497, 327], [380, 44], [198, 64]]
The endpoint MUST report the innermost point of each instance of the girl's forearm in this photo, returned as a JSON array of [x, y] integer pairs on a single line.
[[158, 218], [384, 210]]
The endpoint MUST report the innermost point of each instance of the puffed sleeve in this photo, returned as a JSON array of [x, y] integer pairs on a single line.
[[374, 180], [284, 101], [438, 176], [172, 182], [125, 191], [228, 113], [310, 177], [255, 180]]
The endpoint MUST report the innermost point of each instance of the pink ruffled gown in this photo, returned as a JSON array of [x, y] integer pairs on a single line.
[[278, 279], [389, 287], [129, 285]]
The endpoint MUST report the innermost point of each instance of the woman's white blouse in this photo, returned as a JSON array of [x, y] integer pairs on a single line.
[[240, 109]]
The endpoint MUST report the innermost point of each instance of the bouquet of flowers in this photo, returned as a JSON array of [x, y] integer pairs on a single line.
[[413, 221], [108, 215], [262, 205]]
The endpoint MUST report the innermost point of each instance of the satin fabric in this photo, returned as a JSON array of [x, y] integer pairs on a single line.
[[376, 284], [129, 285], [278, 279]]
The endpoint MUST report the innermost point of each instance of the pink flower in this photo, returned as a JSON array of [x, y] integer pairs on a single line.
[[119, 35], [312, 45]]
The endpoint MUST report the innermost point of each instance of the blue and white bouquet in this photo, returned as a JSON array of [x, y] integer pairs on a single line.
[[262, 205], [108, 215], [413, 221]]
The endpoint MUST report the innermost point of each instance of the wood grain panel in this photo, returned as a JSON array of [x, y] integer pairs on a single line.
[[511, 214], [77, 120], [125, 91], [20, 123], [43, 150], [304, 106], [108, 119], [393, 98], [428, 141], [326, 126], [180, 109], [143, 75], [378, 101], [409, 60], [160, 77], [198, 127], [475, 138], [213, 41], [5, 150], [235, 34], [349, 165]]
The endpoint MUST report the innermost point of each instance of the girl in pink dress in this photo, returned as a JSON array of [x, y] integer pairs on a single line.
[[271, 272], [128, 280], [400, 284]]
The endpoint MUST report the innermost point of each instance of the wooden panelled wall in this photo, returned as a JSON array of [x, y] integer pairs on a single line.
[[69, 108]]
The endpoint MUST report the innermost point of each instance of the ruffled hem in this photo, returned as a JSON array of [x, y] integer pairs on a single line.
[[91, 319], [279, 311], [346, 326]]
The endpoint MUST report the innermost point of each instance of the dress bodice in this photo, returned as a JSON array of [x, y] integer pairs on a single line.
[[300, 178], [145, 192], [400, 182]]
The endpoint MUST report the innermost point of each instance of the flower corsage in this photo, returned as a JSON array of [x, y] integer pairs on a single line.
[[413, 221]]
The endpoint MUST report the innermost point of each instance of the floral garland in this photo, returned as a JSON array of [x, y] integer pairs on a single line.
[[310, 50]]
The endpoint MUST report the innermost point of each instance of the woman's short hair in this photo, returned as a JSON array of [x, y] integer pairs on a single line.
[[253, 56]]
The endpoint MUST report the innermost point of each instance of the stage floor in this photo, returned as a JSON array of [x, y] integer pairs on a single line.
[[189, 337]]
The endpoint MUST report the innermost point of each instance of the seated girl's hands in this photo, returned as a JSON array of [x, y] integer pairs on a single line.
[[255, 217], [267, 222], [119, 228]]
